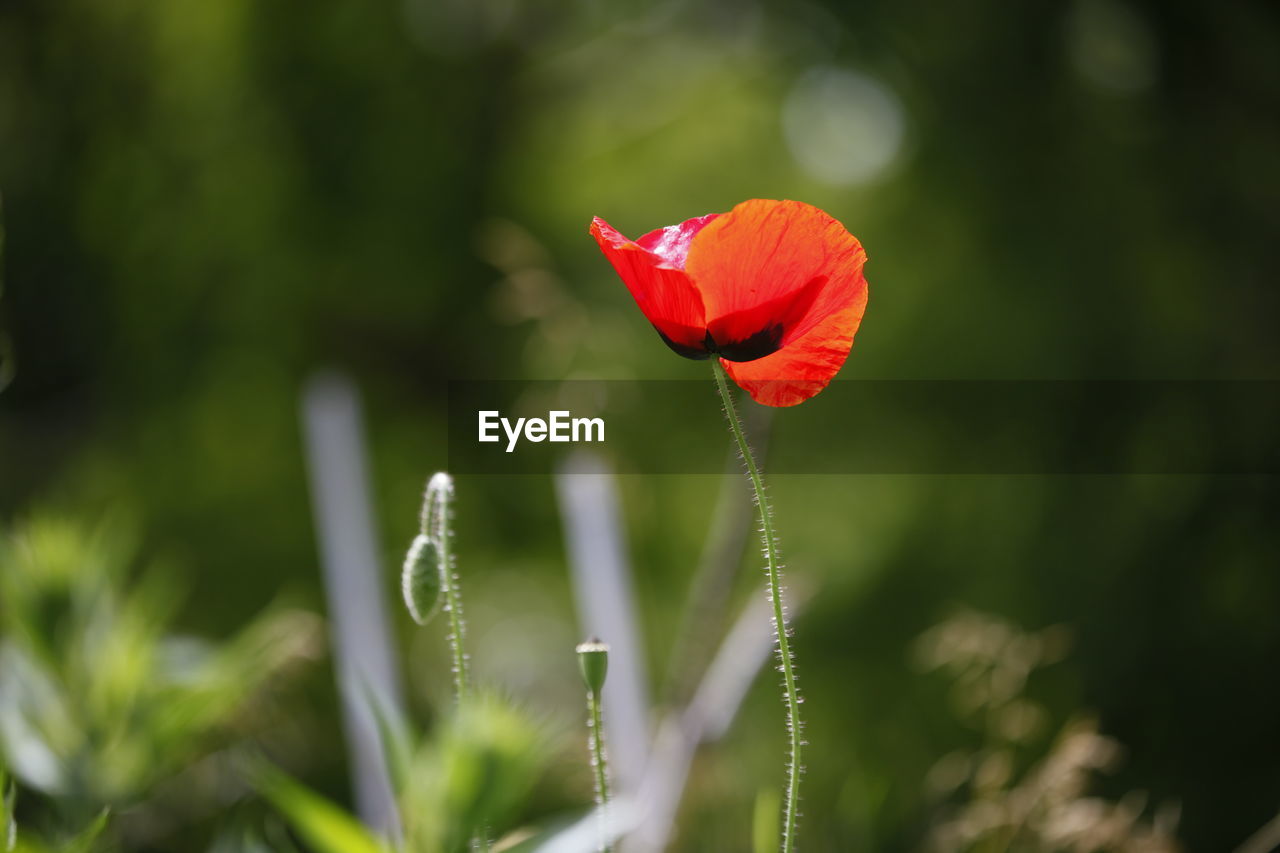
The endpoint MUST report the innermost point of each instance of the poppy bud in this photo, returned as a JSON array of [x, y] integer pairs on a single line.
[[420, 580], [593, 660]]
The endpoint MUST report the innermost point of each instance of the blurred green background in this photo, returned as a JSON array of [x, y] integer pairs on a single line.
[[205, 202]]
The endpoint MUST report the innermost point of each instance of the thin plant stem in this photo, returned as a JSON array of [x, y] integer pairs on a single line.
[[457, 626], [437, 516], [600, 763], [779, 610]]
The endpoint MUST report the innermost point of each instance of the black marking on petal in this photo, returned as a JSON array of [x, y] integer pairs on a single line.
[[693, 351], [767, 341]]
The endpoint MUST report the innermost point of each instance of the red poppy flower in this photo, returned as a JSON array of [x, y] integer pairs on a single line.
[[773, 288]]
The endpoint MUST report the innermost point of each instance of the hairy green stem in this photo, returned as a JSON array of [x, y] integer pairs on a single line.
[[779, 611], [457, 627], [457, 636], [599, 762], [437, 518]]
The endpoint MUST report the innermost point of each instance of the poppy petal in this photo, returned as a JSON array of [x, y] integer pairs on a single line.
[[781, 314], [768, 264], [654, 275], [672, 243], [805, 366]]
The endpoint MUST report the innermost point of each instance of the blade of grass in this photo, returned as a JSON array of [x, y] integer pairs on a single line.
[[85, 840], [323, 825]]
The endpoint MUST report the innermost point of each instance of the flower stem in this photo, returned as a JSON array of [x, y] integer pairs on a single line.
[[437, 519], [599, 762], [779, 610], [457, 627], [436, 525]]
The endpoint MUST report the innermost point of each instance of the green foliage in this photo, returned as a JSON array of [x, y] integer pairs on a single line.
[[242, 839], [99, 702], [13, 841], [323, 825], [764, 821], [471, 778], [467, 780], [85, 841]]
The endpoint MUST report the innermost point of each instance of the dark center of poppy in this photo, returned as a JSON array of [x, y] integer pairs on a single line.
[[757, 345]]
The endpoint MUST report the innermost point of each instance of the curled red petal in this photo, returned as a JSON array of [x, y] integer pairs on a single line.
[[805, 366], [777, 268], [661, 288]]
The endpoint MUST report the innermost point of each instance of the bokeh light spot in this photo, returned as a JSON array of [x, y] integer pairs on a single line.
[[843, 127]]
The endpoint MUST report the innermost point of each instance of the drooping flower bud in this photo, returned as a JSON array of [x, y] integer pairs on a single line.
[[420, 580]]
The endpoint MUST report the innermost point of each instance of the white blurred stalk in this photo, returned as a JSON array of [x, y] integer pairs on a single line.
[[732, 524], [589, 511], [364, 658], [741, 657]]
